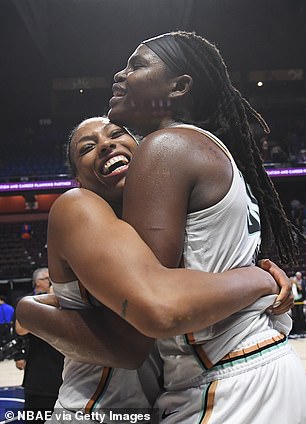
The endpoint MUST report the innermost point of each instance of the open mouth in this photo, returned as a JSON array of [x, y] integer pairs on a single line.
[[115, 165], [117, 90]]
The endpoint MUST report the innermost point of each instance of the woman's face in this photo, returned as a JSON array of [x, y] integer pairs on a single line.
[[141, 92], [101, 152]]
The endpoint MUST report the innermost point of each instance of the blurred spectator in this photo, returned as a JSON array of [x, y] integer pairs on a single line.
[[297, 286], [277, 153], [6, 320], [265, 149], [26, 231], [300, 282], [296, 212], [42, 364], [293, 143], [301, 157], [299, 323]]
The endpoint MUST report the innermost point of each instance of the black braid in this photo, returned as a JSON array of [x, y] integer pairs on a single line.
[[220, 108]]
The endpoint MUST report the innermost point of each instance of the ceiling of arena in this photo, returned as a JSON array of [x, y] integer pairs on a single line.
[[45, 39]]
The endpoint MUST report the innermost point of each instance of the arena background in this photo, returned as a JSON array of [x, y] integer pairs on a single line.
[[58, 58]]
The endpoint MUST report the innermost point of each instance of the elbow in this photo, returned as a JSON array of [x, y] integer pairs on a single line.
[[159, 321], [21, 312]]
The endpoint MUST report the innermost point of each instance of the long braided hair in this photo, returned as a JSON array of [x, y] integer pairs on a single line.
[[220, 108]]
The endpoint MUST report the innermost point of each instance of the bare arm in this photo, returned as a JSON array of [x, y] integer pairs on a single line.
[[95, 336], [20, 330], [169, 179], [131, 281], [150, 295], [163, 191]]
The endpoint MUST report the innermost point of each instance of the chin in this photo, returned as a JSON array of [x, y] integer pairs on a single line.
[[120, 116], [114, 108], [115, 117]]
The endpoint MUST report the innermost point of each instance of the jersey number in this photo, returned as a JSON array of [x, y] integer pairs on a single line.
[[253, 213]]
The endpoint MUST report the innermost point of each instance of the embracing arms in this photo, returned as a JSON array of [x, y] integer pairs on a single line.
[[116, 266], [113, 263], [94, 336]]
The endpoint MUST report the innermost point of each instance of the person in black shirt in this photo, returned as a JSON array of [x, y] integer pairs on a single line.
[[42, 364]]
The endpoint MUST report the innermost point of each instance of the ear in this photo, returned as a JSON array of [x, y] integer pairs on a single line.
[[181, 86]]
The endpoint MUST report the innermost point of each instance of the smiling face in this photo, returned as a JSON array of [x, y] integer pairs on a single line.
[[101, 152], [141, 92]]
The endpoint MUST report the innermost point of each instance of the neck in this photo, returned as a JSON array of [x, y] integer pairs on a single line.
[[117, 208], [166, 122]]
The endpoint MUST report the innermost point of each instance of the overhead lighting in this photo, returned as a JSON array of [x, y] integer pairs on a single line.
[[259, 84]]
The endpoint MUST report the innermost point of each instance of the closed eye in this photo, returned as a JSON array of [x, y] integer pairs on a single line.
[[86, 148], [136, 62], [118, 133], [137, 65]]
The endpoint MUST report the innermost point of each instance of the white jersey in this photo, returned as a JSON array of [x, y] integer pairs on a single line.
[[221, 237], [89, 388]]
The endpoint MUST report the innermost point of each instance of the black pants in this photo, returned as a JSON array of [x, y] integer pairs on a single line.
[[299, 324], [37, 402]]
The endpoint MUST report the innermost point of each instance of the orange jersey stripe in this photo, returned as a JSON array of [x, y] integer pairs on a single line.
[[101, 386], [210, 398]]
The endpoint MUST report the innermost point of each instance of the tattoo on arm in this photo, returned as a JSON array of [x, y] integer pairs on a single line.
[[124, 308]]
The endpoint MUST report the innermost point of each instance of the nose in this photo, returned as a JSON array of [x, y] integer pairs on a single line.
[[120, 76], [105, 145]]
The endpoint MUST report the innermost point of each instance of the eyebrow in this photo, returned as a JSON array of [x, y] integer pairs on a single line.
[[136, 57], [90, 137], [84, 138]]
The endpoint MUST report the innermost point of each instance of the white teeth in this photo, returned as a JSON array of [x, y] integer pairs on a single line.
[[112, 161]]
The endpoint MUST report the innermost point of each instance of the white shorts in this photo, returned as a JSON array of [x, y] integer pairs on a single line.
[[109, 416], [259, 386]]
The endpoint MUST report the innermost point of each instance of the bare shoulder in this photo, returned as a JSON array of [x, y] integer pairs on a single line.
[[182, 141], [189, 153], [78, 197], [76, 204], [192, 162], [76, 222]]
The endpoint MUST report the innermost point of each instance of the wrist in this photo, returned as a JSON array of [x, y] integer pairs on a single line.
[[270, 285], [264, 282]]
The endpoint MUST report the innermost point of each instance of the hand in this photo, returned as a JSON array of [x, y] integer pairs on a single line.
[[20, 364], [47, 299], [285, 300]]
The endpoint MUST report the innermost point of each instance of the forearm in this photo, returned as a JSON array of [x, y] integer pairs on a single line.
[[220, 296], [96, 336]]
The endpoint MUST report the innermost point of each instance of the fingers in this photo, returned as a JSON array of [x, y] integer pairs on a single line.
[[47, 299], [282, 280], [285, 293], [265, 264], [284, 306], [284, 301]]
